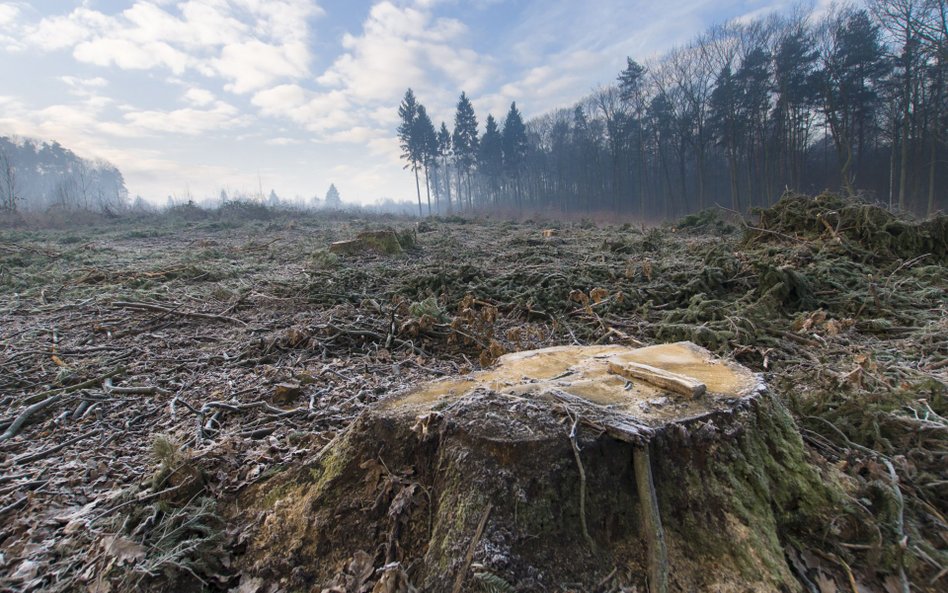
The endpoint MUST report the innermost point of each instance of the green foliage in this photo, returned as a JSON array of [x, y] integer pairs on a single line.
[[323, 259], [491, 583]]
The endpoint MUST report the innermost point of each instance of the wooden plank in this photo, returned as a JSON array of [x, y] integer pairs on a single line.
[[659, 378]]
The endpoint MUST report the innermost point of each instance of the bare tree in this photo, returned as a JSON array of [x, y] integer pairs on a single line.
[[8, 197]]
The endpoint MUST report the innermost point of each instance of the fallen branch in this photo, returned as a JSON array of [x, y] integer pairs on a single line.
[[49, 451], [651, 521], [84, 385], [574, 442], [20, 421], [133, 389], [469, 557], [13, 506], [137, 306]]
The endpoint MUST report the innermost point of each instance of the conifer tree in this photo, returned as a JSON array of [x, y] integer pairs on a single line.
[[491, 157], [444, 151], [424, 135], [408, 138], [333, 199], [465, 143], [515, 149]]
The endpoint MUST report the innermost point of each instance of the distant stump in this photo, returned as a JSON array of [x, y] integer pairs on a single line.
[[384, 242], [590, 468]]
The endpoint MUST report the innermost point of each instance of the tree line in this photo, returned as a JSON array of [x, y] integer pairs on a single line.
[[853, 101], [38, 175]]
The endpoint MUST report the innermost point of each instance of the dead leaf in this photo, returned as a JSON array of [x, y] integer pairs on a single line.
[[393, 580], [100, 585], [122, 549], [402, 500], [360, 571], [26, 571], [284, 393], [826, 584], [598, 294], [251, 585]]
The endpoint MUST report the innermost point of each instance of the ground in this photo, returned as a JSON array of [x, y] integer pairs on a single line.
[[152, 370]]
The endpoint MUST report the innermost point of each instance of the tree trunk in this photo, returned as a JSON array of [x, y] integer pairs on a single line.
[[428, 188], [418, 191]]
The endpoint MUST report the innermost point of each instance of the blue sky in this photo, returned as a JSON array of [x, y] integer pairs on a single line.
[[199, 95]]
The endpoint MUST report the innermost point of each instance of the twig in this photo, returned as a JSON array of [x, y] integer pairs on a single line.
[[651, 521], [469, 557], [165, 310], [49, 451], [133, 389], [573, 441], [899, 525], [13, 506], [85, 384]]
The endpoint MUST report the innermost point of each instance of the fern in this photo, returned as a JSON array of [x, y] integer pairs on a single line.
[[491, 583]]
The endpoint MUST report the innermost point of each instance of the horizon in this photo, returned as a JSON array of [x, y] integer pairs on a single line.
[[192, 97]]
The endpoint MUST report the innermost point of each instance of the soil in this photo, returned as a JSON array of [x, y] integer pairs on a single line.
[[153, 372]]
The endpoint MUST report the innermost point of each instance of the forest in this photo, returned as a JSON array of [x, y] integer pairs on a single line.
[[853, 101], [38, 175]]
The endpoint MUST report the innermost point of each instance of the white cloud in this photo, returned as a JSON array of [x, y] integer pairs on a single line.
[[188, 121], [130, 55], [358, 135], [282, 141], [250, 43], [199, 97], [84, 84], [403, 46], [280, 98], [254, 64], [8, 14], [317, 112]]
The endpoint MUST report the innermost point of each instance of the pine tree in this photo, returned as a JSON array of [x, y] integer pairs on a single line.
[[515, 149], [408, 138], [333, 199], [426, 138], [491, 157], [444, 151], [465, 143]]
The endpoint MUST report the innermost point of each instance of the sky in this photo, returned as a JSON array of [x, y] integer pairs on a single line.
[[190, 97]]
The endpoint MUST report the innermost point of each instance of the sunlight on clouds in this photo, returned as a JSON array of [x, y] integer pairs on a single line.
[[250, 43], [317, 112], [254, 64], [282, 141], [8, 14], [279, 98], [129, 55], [199, 97], [401, 47], [188, 121]]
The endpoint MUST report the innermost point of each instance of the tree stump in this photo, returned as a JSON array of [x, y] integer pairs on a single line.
[[384, 242], [569, 468]]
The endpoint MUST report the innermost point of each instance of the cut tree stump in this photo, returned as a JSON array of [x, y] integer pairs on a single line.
[[384, 242], [551, 471]]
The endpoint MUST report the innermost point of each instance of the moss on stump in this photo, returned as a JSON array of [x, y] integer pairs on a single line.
[[470, 483]]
